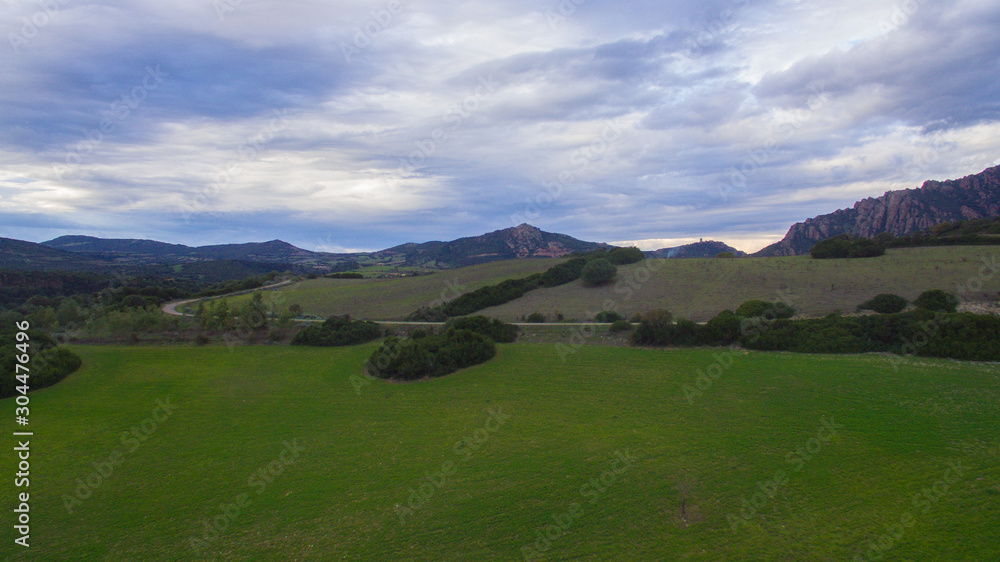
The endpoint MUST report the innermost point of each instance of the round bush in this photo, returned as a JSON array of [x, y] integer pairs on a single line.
[[885, 303], [607, 316], [620, 326], [598, 272], [937, 300]]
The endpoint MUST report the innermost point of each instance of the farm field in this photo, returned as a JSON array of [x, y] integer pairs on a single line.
[[698, 289], [338, 457]]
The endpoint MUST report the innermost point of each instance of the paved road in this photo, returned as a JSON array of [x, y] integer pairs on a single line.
[[171, 307]]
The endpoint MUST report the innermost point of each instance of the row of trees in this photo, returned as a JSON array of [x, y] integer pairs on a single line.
[[933, 329], [846, 246], [596, 268], [337, 331]]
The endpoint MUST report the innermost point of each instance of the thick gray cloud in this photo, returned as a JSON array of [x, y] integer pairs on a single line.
[[361, 125]]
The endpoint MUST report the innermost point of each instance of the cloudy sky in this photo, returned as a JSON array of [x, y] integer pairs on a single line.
[[358, 125]]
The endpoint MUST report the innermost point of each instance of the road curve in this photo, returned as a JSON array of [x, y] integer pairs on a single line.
[[171, 307]]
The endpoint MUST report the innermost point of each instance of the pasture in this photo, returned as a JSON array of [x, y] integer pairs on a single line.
[[292, 457]]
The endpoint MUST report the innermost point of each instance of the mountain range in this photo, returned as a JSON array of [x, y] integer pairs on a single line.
[[899, 212]]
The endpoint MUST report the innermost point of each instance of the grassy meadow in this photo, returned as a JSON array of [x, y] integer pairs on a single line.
[[357, 451], [697, 289]]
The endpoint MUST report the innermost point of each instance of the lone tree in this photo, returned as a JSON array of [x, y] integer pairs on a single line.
[[598, 272]]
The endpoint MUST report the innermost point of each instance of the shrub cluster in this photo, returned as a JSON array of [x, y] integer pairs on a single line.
[[846, 246], [608, 316], [726, 327], [620, 326], [598, 272], [48, 365], [338, 330], [432, 355], [754, 308], [936, 300], [496, 330], [885, 304], [934, 330], [954, 335]]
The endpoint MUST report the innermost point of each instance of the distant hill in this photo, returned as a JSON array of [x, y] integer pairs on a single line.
[[899, 212], [522, 241], [91, 244], [274, 251], [708, 249], [21, 255]]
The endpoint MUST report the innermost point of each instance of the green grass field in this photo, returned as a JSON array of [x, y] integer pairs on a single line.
[[699, 289], [364, 451], [393, 299]]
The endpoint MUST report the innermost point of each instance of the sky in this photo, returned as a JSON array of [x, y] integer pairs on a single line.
[[360, 125]]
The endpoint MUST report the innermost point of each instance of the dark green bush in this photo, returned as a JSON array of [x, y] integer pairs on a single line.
[[48, 363], [771, 310], [337, 331], [846, 246], [724, 327], [535, 317], [598, 272], [620, 326], [500, 332], [625, 256], [431, 356], [563, 273], [885, 304], [607, 316], [936, 300]]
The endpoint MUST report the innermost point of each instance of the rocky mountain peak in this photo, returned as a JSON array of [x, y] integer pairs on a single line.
[[899, 212]]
